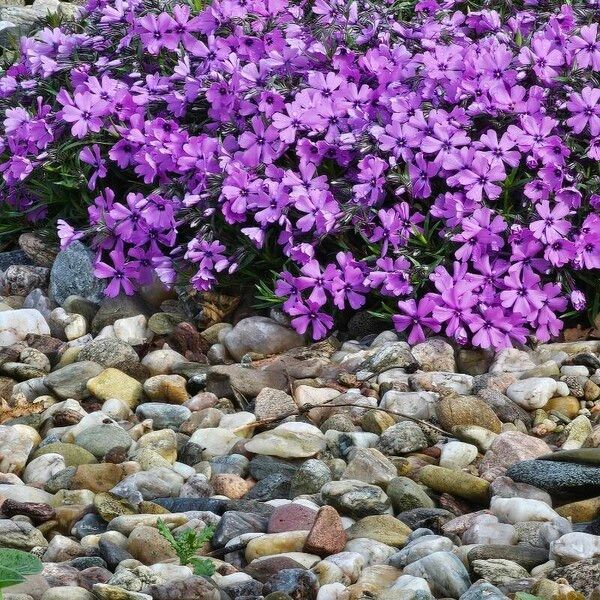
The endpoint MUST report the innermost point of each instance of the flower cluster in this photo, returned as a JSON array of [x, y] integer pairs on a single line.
[[436, 162]]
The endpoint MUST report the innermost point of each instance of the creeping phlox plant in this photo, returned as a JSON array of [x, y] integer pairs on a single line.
[[436, 162]]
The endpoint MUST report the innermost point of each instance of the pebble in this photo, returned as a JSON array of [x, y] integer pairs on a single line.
[[457, 455], [113, 383], [355, 498], [289, 440], [535, 392], [15, 325], [517, 510], [445, 573], [457, 483]]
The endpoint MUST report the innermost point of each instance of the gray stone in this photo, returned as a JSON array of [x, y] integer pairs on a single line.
[[558, 477], [71, 381], [260, 335], [110, 352], [483, 590], [164, 416], [298, 584], [445, 573], [229, 381], [191, 588], [507, 410], [522, 554], [99, 440], [499, 571], [73, 273], [405, 494], [402, 438], [119, 307], [355, 498], [20, 535], [234, 523], [310, 478]]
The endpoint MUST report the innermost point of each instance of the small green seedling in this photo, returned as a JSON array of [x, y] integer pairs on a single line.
[[15, 565], [187, 544]]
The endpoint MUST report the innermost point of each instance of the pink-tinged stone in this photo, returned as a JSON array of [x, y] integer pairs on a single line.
[[291, 517]]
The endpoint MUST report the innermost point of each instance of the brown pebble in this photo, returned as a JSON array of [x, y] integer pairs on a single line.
[[327, 535]]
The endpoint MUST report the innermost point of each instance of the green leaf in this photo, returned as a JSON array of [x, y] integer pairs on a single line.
[[9, 577], [23, 563], [203, 566], [164, 531]]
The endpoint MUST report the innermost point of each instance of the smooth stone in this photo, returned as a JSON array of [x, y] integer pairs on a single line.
[[483, 590], [163, 416], [534, 392], [71, 381], [439, 381], [148, 546], [113, 383], [523, 554], [289, 440], [166, 388], [473, 434], [581, 511], [15, 325], [453, 410], [445, 573], [355, 498], [578, 431], [388, 355], [419, 548], [511, 360], [566, 405], [99, 440], [215, 441], [67, 593], [125, 524], [504, 487], [162, 362], [589, 456], [487, 530], [105, 591], [456, 483], [382, 528], [517, 510], [457, 455], [72, 454], [260, 335], [15, 445], [275, 543], [227, 381], [565, 478]]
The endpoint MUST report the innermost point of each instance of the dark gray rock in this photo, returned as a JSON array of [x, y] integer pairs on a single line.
[[298, 584], [177, 505], [271, 487], [561, 478], [73, 273], [483, 590], [234, 464], [89, 524], [234, 523], [429, 518], [310, 478], [110, 352], [262, 466], [119, 307], [112, 553]]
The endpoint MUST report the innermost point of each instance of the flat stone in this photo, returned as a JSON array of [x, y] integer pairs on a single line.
[[228, 380], [113, 383], [71, 381], [99, 440], [271, 404], [291, 517], [235, 523], [498, 570], [456, 483], [163, 416], [260, 335], [275, 543], [289, 440], [382, 528], [454, 410], [506, 410], [73, 455], [565, 478], [523, 554]]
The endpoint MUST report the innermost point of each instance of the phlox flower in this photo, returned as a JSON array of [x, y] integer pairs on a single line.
[[417, 317]]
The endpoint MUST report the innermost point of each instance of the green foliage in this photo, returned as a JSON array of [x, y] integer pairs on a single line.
[[187, 544], [15, 565]]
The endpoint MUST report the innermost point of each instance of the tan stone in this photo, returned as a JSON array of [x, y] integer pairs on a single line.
[[149, 546], [567, 405], [97, 478], [112, 383], [382, 528], [581, 511], [276, 543], [232, 486], [454, 410]]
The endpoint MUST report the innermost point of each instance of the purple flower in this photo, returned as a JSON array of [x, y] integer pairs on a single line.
[[121, 273], [92, 156], [83, 110], [416, 316], [307, 314], [480, 178]]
